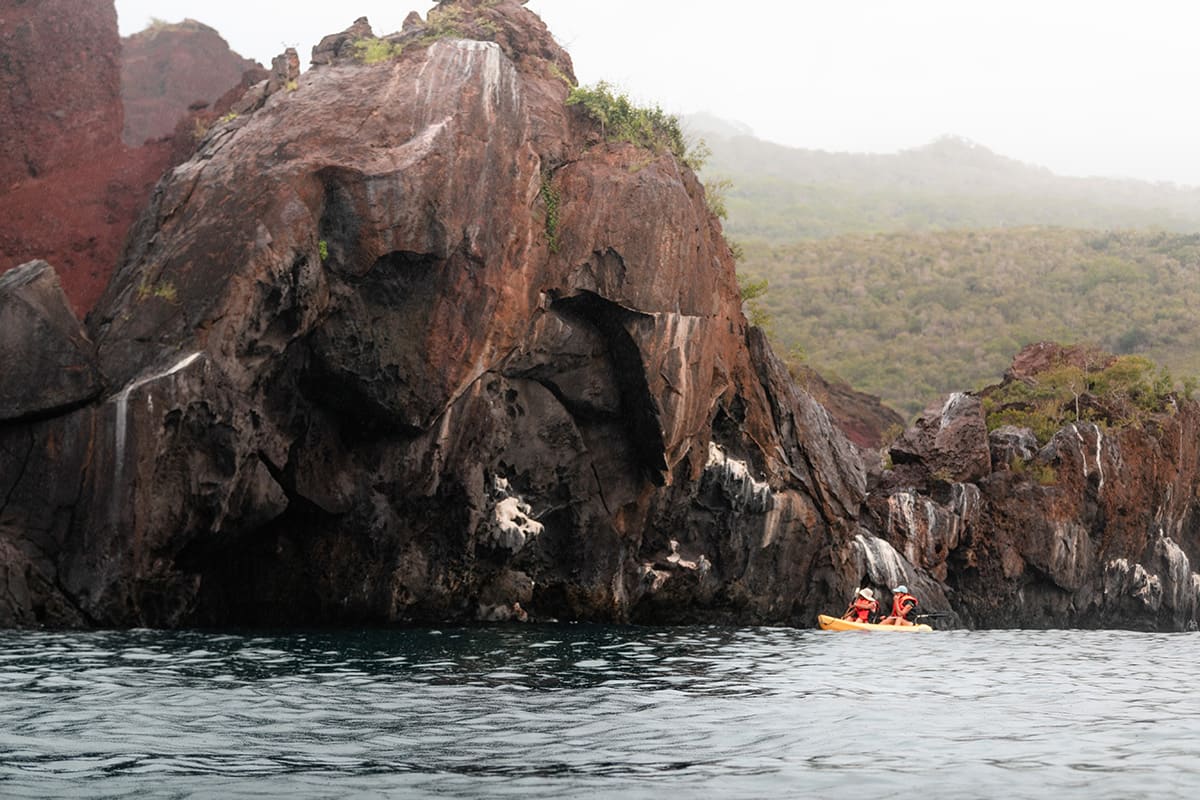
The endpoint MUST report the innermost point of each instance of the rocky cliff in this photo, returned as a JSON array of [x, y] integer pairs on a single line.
[[169, 69], [70, 189], [411, 338], [1087, 519]]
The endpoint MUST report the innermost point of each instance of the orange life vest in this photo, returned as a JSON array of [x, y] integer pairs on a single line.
[[903, 605], [862, 608]]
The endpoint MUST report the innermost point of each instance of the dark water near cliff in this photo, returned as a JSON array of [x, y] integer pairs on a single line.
[[577, 711]]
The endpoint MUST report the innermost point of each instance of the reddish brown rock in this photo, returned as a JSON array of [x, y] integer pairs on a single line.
[[168, 68], [77, 217], [346, 346], [69, 188], [947, 443], [60, 84], [1094, 529], [864, 418]]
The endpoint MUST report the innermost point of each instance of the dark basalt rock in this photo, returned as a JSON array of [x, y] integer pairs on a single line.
[[47, 363]]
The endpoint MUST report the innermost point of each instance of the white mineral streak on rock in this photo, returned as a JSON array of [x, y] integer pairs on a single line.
[[950, 406], [682, 332], [962, 511], [1098, 456], [121, 426], [902, 518], [512, 522], [884, 565], [1133, 580], [739, 487], [1180, 579], [1070, 554], [1082, 450], [456, 62]]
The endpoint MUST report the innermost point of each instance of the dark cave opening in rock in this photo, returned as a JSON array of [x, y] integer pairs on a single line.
[[639, 409]]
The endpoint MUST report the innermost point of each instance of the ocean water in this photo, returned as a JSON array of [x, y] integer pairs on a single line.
[[590, 711]]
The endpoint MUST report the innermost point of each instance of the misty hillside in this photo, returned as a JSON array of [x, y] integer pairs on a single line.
[[784, 193], [912, 316]]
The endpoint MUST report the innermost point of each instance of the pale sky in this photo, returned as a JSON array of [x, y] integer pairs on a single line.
[[1084, 87]]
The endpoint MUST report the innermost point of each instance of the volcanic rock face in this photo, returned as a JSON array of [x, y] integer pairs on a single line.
[[68, 189], [1097, 528], [167, 69], [56, 111], [359, 375], [412, 341]]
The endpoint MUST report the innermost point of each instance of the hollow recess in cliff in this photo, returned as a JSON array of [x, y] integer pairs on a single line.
[[639, 409]]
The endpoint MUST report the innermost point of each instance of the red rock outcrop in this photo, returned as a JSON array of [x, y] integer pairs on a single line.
[[1098, 527], [69, 188], [412, 341], [168, 69], [60, 84]]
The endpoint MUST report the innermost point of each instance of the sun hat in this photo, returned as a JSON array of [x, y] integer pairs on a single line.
[[901, 589], [867, 593]]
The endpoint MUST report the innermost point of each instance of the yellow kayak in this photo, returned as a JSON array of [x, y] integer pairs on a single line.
[[835, 624]]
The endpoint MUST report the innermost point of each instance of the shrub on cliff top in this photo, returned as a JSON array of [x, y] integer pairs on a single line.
[[621, 120], [1123, 393], [372, 51]]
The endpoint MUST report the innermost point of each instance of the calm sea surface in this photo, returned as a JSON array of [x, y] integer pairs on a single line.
[[583, 711]]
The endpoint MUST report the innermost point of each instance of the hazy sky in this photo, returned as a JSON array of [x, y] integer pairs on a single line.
[[1084, 87]]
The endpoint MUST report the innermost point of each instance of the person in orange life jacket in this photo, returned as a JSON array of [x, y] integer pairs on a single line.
[[863, 608], [904, 606]]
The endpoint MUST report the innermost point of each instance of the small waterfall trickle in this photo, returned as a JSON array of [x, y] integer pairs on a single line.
[[121, 425]]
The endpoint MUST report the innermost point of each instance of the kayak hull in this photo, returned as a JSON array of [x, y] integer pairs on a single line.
[[828, 623]]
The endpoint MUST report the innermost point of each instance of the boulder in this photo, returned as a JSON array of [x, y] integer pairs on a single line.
[[47, 363]]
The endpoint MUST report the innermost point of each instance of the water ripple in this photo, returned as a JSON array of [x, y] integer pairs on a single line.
[[598, 711]]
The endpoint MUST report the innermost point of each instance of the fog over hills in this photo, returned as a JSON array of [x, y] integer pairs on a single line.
[[782, 193]]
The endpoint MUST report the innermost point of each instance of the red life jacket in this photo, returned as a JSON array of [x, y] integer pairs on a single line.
[[863, 608], [903, 605]]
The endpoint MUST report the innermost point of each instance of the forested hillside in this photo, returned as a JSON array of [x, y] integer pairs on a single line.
[[918, 273], [911, 316]]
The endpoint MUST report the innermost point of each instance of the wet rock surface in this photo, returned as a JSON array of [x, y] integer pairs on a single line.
[[354, 377], [355, 369]]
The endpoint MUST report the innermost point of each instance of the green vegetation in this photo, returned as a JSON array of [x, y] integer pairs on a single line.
[[911, 317], [551, 198], [562, 76], [620, 120], [323, 250], [1125, 392], [230, 117], [373, 51], [1044, 474], [715, 190], [165, 290], [751, 290]]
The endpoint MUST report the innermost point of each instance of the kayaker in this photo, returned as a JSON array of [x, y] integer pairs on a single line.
[[863, 608], [904, 607]]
